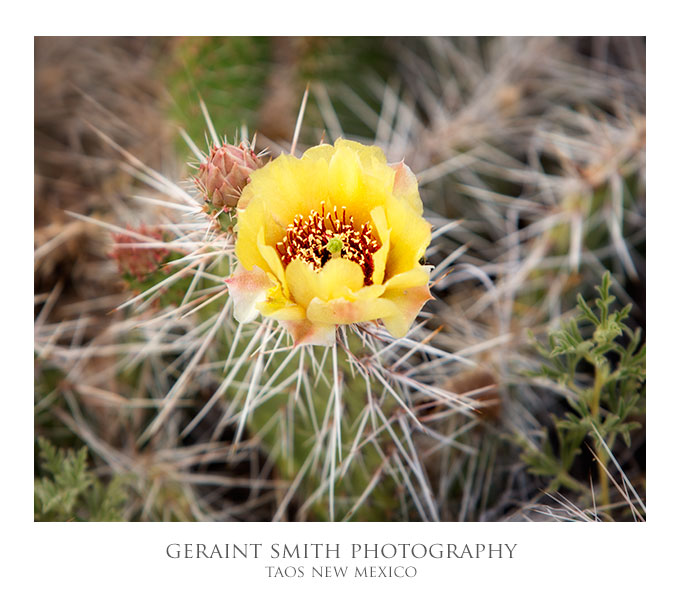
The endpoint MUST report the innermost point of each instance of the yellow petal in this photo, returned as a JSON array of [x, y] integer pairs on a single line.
[[346, 311], [410, 236], [287, 312], [271, 257], [250, 224], [369, 292], [359, 179], [282, 189], [302, 282], [339, 277], [344, 175], [413, 278], [277, 306], [379, 258], [318, 152], [279, 183], [366, 153]]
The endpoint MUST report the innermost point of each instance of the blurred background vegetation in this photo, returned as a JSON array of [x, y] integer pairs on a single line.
[[536, 144]]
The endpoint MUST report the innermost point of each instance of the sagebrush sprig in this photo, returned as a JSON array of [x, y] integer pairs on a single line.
[[69, 490], [603, 404]]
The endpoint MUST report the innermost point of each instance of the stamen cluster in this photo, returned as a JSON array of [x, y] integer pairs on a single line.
[[308, 239]]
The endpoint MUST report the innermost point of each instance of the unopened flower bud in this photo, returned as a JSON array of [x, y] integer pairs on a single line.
[[134, 258], [225, 173]]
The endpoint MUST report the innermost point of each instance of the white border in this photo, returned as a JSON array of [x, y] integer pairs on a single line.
[[70, 558]]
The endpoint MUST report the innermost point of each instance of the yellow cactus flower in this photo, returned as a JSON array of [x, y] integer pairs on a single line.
[[335, 237]]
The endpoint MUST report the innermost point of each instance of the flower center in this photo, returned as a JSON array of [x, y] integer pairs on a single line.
[[322, 236]]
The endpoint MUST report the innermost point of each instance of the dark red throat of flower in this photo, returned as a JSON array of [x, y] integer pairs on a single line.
[[322, 236]]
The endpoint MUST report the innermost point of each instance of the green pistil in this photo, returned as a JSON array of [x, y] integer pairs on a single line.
[[334, 246]]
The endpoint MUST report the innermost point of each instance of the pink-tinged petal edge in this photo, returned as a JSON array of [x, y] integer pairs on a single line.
[[405, 185], [305, 332], [409, 302], [247, 288]]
